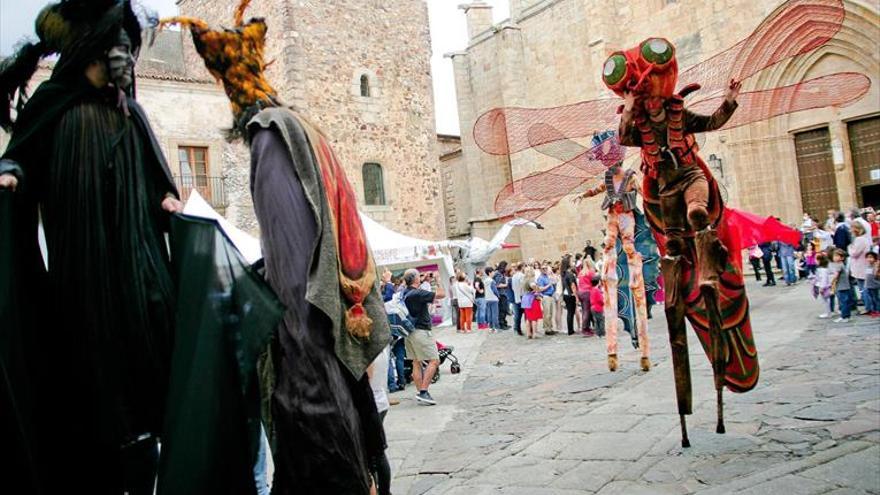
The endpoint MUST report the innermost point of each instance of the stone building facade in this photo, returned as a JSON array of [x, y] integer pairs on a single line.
[[360, 71], [550, 53], [451, 163]]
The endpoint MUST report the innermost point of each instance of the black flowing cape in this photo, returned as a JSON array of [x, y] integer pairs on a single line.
[[226, 314]]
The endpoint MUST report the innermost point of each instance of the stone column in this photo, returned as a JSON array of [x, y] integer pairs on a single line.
[[479, 17], [469, 151], [843, 164]]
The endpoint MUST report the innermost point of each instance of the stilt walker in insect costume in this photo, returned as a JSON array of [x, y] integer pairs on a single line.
[[684, 207], [621, 189], [97, 324], [324, 425]]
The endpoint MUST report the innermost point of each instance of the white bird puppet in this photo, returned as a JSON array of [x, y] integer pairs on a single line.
[[475, 252]]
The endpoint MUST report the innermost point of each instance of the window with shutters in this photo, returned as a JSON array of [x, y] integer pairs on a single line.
[[194, 173]]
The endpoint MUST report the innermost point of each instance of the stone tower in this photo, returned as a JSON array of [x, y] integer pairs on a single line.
[[360, 70]]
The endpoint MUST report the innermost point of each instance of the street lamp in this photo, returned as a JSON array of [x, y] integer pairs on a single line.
[[715, 163]]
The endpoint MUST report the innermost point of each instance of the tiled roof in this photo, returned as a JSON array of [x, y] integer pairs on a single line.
[[163, 60]]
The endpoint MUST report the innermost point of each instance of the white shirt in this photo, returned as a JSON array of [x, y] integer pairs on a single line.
[[379, 380], [490, 296], [517, 281], [466, 294]]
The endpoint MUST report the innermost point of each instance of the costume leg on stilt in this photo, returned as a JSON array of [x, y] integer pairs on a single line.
[[609, 285], [711, 256], [636, 286], [672, 266]]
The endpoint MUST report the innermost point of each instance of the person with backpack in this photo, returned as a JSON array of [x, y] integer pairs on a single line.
[[401, 326]]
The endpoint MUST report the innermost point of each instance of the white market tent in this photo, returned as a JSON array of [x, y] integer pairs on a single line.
[[391, 250], [394, 250]]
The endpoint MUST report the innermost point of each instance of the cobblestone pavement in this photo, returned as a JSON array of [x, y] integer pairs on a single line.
[[546, 417]]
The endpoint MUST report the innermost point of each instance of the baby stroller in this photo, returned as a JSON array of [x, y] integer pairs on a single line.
[[445, 352]]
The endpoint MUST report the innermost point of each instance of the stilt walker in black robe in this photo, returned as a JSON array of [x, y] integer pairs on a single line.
[[95, 326], [324, 426]]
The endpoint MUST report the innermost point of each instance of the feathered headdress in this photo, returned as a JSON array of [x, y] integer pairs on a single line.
[[75, 29], [235, 58]]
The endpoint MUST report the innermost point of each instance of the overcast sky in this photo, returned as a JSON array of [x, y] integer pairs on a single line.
[[448, 34]]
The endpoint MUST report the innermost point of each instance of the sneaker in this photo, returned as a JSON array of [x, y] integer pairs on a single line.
[[425, 398], [841, 320], [824, 315]]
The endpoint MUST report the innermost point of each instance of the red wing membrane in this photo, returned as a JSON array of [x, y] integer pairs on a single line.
[[839, 89], [504, 131], [798, 27], [533, 195]]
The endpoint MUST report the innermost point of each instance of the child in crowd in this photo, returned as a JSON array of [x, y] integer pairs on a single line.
[[822, 286], [872, 284], [810, 260], [531, 304], [840, 284], [597, 306]]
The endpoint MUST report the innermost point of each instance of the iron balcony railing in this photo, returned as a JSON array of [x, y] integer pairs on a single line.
[[213, 189]]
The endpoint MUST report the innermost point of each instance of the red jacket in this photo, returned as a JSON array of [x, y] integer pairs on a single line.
[[597, 301]]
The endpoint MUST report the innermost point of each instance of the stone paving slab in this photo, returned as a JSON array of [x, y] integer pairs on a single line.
[[545, 416]]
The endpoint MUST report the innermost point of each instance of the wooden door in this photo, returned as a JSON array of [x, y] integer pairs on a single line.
[[864, 142], [816, 172]]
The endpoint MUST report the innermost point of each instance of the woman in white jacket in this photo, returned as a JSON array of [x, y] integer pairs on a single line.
[[466, 296]]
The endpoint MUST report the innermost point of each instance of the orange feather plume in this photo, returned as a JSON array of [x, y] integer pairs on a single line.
[[239, 12], [233, 56]]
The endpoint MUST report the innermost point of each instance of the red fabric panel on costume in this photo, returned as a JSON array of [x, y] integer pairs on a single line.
[[352, 245], [748, 229]]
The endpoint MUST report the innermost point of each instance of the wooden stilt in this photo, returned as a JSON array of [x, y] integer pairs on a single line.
[[685, 443]]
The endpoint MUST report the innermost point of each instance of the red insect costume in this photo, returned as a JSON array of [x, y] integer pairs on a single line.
[[681, 199], [682, 203]]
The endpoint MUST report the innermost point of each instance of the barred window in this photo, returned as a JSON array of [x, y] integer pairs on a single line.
[[374, 185]]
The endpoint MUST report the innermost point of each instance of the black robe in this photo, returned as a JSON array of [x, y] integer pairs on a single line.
[[97, 325]]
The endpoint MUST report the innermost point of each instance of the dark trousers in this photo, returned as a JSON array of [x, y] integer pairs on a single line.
[[768, 270], [382, 470], [503, 307], [598, 323], [570, 307], [586, 317], [517, 318], [844, 298], [756, 265], [398, 355]]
